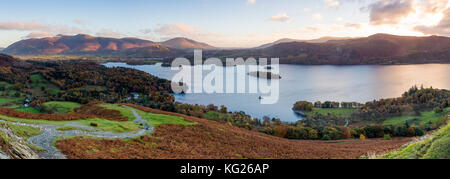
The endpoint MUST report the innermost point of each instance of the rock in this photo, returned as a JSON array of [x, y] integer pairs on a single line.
[[93, 124], [15, 147], [3, 156]]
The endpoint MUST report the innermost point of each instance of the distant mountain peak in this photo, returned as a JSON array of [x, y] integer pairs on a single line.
[[319, 40], [185, 43]]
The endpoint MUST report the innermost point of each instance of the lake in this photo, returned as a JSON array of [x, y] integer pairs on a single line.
[[318, 83]]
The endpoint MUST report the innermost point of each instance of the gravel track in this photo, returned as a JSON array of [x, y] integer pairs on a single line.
[[50, 133]]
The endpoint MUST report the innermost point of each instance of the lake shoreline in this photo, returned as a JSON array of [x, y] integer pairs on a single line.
[[316, 83]]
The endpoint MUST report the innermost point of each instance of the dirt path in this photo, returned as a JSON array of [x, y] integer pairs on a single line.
[[50, 133]]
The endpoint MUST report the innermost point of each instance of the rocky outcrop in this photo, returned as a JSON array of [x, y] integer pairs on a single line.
[[13, 146]]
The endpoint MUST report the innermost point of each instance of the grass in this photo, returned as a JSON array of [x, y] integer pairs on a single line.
[[33, 121], [27, 109], [340, 112], [436, 147], [6, 84], [153, 119], [38, 82], [124, 111], [108, 125], [112, 126], [70, 128], [62, 107], [7, 97], [8, 100], [158, 119], [426, 117], [24, 131]]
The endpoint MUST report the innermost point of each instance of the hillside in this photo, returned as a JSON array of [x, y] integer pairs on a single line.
[[88, 45], [6, 60], [184, 43], [319, 40], [212, 140], [436, 146], [77, 96], [375, 49], [9, 61]]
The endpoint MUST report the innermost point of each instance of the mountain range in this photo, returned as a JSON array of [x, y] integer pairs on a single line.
[[375, 49], [89, 45], [185, 43], [319, 40]]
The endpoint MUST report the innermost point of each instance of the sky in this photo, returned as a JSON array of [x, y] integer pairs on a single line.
[[222, 23]]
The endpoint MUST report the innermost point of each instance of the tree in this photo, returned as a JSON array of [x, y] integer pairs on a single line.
[[303, 106], [362, 137], [438, 110], [411, 132]]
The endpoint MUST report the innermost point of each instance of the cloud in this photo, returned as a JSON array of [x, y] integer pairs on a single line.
[[332, 3], [79, 21], [317, 16], [353, 25], [390, 11], [172, 30], [109, 33], [39, 30], [167, 31], [146, 31], [434, 6], [38, 35], [251, 1], [442, 28], [41, 27], [282, 17], [22, 26]]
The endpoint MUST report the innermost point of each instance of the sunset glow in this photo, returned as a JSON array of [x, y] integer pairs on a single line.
[[235, 23]]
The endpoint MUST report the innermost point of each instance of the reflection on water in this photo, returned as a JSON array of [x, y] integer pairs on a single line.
[[320, 83]]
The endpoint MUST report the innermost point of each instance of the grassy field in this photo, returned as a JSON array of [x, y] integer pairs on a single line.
[[426, 117], [33, 121], [8, 96], [6, 84], [158, 119], [111, 126], [27, 109], [124, 111], [340, 112], [153, 119], [62, 107], [8, 100], [39, 83], [436, 147], [108, 125]]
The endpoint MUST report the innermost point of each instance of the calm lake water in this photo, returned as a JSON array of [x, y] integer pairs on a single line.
[[318, 83]]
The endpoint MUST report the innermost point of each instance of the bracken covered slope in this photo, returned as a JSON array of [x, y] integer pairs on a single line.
[[213, 140]]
